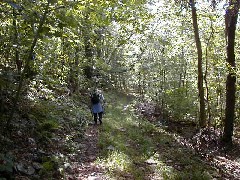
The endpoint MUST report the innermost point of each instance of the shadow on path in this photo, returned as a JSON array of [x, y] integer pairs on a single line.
[[84, 167], [133, 148]]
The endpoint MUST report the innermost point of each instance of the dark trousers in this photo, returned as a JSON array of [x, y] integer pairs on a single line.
[[98, 116]]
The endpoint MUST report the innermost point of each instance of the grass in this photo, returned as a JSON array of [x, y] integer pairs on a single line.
[[133, 148]]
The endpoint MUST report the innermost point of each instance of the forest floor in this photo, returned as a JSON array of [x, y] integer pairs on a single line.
[[133, 143], [132, 146]]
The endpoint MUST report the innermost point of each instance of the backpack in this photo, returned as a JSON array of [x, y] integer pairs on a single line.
[[95, 98]]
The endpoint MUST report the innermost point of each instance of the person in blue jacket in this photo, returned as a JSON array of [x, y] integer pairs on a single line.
[[97, 101]]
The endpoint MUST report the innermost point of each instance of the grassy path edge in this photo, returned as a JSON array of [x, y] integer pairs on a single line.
[[133, 148]]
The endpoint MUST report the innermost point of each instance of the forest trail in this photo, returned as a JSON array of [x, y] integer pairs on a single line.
[[86, 168], [127, 147]]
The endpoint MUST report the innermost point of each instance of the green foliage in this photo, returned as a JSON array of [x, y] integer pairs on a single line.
[[198, 175], [135, 148], [50, 165], [49, 125], [45, 129], [44, 132], [45, 116], [122, 43], [180, 105]]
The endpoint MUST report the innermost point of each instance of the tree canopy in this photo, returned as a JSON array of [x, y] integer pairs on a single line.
[[182, 56]]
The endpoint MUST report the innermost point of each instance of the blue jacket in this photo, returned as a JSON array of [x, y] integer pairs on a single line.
[[97, 108]]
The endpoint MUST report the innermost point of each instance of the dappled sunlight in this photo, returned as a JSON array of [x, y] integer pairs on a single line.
[[116, 160], [122, 132], [133, 148], [124, 89]]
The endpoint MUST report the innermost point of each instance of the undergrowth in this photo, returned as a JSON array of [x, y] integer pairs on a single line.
[[134, 148], [44, 133]]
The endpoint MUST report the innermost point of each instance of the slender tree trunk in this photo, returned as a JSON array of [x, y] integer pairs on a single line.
[[202, 117], [88, 68], [164, 94], [205, 77], [27, 65], [73, 81], [15, 40], [231, 21]]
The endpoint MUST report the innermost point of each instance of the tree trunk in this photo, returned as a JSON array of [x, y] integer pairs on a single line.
[[202, 117], [15, 40], [209, 113], [231, 21], [27, 66], [73, 81], [88, 68]]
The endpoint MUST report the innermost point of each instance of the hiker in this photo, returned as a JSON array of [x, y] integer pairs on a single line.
[[97, 102]]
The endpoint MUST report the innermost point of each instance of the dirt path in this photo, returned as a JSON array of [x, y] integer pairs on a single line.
[[86, 168], [127, 147]]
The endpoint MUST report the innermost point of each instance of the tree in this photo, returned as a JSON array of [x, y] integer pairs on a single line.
[[29, 58], [231, 17], [202, 117]]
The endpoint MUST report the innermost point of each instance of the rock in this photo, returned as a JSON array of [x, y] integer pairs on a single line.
[[67, 165], [94, 178], [110, 148], [32, 142], [25, 169], [19, 133], [151, 161], [122, 129], [37, 166]]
